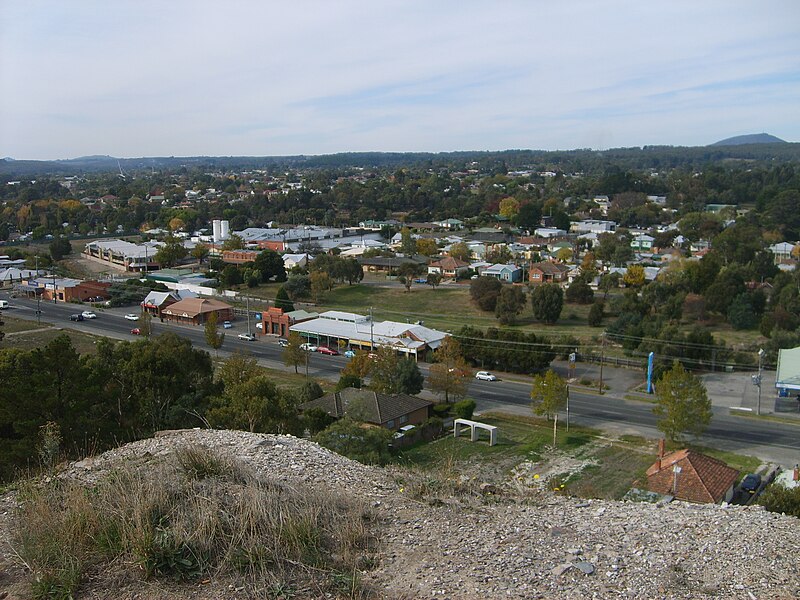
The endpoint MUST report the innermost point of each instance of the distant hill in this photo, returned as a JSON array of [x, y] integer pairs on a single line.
[[753, 138]]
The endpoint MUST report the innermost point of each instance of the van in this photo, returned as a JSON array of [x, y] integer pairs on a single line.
[[3, 304]]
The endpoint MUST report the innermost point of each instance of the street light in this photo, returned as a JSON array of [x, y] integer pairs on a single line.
[[757, 379]]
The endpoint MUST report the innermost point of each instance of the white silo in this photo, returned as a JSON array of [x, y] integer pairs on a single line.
[[224, 230], [215, 226]]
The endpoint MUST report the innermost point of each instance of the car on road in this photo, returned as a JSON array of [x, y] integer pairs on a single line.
[[485, 376], [76, 317], [136, 331], [349, 353], [87, 314], [751, 483], [132, 317], [247, 336], [226, 325], [283, 342], [308, 347], [327, 350]]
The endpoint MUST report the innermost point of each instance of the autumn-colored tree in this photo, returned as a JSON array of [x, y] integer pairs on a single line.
[[634, 276], [427, 247], [548, 393], [509, 207], [461, 251], [450, 373]]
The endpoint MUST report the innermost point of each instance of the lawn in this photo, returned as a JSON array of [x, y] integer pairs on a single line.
[[83, 342], [14, 325], [619, 467]]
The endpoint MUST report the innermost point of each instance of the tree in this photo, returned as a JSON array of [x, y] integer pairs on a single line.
[[390, 375], [682, 404], [499, 255], [509, 207], [200, 252], [214, 337], [450, 373], [579, 291], [529, 216], [282, 300], [320, 283], [547, 300], [484, 292], [298, 286], [779, 499], [347, 380], [433, 279], [257, 405], [548, 393], [407, 244], [234, 242], [564, 255], [59, 248], [427, 247], [509, 304], [741, 314], [366, 444], [270, 264], [408, 271], [293, 354], [145, 324], [608, 282], [461, 251], [634, 276], [231, 276], [596, 314], [171, 253]]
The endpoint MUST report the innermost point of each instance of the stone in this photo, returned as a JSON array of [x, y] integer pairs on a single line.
[[585, 567]]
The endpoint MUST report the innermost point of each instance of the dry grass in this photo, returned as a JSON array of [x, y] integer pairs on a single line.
[[199, 514]]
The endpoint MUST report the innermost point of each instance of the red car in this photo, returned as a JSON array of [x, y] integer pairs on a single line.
[[136, 331], [327, 350]]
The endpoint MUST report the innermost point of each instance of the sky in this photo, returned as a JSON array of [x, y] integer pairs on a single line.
[[265, 78]]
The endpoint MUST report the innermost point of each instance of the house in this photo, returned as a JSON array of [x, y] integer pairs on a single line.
[[549, 232], [124, 255], [389, 411], [691, 476], [547, 272], [642, 243], [290, 261], [509, 273], [448, 267], [274, 321], [155, 302], [12, 274], [195, 311], [389, 265], [239, 257], [450, 224], [593, 226], [782, 252], [602, 203], [787, 375]]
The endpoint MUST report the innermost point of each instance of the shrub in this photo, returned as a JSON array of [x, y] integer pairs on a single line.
[[464, 409], [596, 314], [779, 499], [441, 410]]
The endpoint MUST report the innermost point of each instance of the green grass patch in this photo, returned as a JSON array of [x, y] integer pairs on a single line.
[[620, 467], [777, 419], [83, 342]]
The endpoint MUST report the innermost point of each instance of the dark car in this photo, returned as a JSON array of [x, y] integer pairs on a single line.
[[78, 317], [751, 483]]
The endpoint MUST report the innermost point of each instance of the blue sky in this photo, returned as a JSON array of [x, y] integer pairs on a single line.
[[179, 78]]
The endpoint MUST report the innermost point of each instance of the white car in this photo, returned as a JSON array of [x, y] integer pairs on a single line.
[[132, 317], [308, 347], [87, 314], [247, 336], [485, 376]]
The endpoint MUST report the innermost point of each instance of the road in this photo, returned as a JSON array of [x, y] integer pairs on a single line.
[[769, 440]]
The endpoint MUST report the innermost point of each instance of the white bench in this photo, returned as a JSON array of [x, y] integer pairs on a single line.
[[474, 430]]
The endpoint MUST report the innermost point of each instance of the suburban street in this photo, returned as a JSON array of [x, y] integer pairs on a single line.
[[770, 440]]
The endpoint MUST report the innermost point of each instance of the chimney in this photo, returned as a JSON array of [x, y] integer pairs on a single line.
[[660, 453]]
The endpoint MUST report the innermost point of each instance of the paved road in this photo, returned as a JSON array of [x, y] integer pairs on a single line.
[[769, 440]]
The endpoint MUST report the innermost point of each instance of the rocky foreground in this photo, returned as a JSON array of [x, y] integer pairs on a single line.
[[517, 543]]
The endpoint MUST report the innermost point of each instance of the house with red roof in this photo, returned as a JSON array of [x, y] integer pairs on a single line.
[[691, 476]]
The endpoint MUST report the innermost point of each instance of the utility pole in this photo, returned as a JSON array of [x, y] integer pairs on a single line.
[[602, 352], [55, 296], [758, 379], [567, 407], [247, 299], [371, 341], [38, 296]]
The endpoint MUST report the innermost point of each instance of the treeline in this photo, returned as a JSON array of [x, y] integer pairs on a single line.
[[505, 349]]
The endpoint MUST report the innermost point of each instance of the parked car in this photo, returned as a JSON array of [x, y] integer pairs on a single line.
[[283, 342], [349, 353], [226, 325], [327, 350], [259, 325], [132, 317], [87, 314], [403, 431], [308, 347], [751, 483], [136, 331], [77, 317], [247, 336], [485, 376]]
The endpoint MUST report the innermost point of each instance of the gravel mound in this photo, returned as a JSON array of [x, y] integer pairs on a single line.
[[520, 542]]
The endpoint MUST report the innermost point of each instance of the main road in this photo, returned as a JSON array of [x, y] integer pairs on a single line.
[[769, 440]]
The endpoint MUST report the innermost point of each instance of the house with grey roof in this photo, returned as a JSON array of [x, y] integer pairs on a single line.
[[391, 411]]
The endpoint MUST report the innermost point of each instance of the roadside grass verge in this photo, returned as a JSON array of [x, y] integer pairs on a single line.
[[199, 514], [774, 418], [16, 325], [84, 343]]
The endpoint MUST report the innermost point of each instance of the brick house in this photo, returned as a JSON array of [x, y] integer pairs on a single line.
[[448, 267], [195, 311], [690, 476], [390, 411], [274, 321], [239, 257], [65, 290], [547, 272]]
